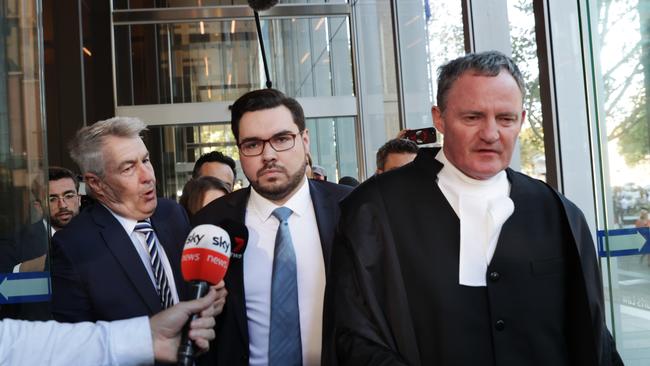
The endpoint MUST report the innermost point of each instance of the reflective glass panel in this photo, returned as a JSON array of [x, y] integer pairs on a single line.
[[378, 80], [23, 190], [140, 4], [220, 60], [524, 53], [445, 36], [621, 58]]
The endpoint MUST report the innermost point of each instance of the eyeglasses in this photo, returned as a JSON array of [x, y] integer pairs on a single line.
[[68, 198], [283, 142]]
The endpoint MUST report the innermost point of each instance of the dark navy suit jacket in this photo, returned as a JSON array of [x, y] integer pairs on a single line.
[[97, 273], [231, 344]]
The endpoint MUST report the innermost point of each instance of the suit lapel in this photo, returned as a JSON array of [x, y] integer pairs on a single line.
[[325, 219], [119, 243], [236, 203]]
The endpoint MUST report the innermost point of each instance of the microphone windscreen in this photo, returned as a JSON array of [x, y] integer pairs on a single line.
[[206, 254], [259, 5], [238, 236]]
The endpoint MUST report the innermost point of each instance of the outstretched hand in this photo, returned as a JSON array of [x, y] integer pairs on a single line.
[[167, 325]]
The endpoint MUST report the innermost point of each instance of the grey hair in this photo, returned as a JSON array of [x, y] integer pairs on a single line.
[[86, 147], [489, 63]]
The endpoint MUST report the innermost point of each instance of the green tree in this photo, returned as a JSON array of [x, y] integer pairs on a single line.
[[625, 82]]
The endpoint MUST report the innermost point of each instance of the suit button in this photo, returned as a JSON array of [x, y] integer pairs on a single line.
[[494, 276], [500, 325]]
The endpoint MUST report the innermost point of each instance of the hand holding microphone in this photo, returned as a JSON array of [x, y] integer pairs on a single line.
[[205, 259]]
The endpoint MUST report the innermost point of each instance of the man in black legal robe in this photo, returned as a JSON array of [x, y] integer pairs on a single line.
[[455, 259]]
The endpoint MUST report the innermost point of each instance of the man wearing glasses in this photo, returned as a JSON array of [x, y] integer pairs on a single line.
[[63, 197], [64, 202], [30, 250], [274, 312]]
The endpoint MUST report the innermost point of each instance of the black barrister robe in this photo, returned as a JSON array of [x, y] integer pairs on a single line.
[[373, 315]]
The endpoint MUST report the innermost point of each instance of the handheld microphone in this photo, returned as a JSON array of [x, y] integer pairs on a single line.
[[205, 259], [259, 5]]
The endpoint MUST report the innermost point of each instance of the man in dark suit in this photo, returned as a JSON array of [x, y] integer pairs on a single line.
[[274, 311], [455, 259], [120, 257], [32, 244], [216, 164]]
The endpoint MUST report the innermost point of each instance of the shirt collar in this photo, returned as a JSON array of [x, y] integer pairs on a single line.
[[127, 224], [52, 230], [298, 203]]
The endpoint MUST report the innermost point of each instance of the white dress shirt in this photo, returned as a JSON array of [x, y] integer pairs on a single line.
[[140, 243], [258, 267], [121, 342], [482, 206]]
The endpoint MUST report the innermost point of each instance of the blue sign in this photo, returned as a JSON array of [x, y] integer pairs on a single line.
[[622, 242], [25, 287]]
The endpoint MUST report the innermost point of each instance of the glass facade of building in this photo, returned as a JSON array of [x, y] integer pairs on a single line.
[[364, 70], [23, 160]]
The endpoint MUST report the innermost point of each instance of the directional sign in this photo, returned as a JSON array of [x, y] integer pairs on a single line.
[[623, 242], [24, 287]]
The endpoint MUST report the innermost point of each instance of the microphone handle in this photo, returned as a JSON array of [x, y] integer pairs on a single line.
[[198, 289]]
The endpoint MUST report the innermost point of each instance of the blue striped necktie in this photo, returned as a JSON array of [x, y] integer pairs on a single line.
[[285, 348], [162, 283]]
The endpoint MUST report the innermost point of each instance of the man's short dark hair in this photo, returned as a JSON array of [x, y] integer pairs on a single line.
[[57, 172], [488, 63], [212, 157], [395, 146], [257, 100]]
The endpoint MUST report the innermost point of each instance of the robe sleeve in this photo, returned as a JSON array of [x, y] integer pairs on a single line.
[[592, 275], [366, 302]]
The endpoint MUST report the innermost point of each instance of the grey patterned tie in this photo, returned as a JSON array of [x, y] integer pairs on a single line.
[[285, 348], [162, 284]]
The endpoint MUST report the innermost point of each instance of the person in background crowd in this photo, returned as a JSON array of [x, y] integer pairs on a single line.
[[291, 222], [32, 244], [64, 202], [318, 173], [644, 222], [200, 191], [349, 181], [395, 153], [217, 165], [437, 263]]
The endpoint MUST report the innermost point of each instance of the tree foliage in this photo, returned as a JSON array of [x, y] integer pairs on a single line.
[[625, 82]]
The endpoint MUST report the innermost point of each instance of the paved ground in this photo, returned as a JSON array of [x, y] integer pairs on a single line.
[[630, 290]]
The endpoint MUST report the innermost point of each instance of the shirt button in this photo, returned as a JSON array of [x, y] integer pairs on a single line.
[[500, 325], [494, 276]]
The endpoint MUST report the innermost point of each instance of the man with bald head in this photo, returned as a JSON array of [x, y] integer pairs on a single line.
[[438, 263]]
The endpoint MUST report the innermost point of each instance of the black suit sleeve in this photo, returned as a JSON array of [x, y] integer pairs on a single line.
[[70, 303]]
